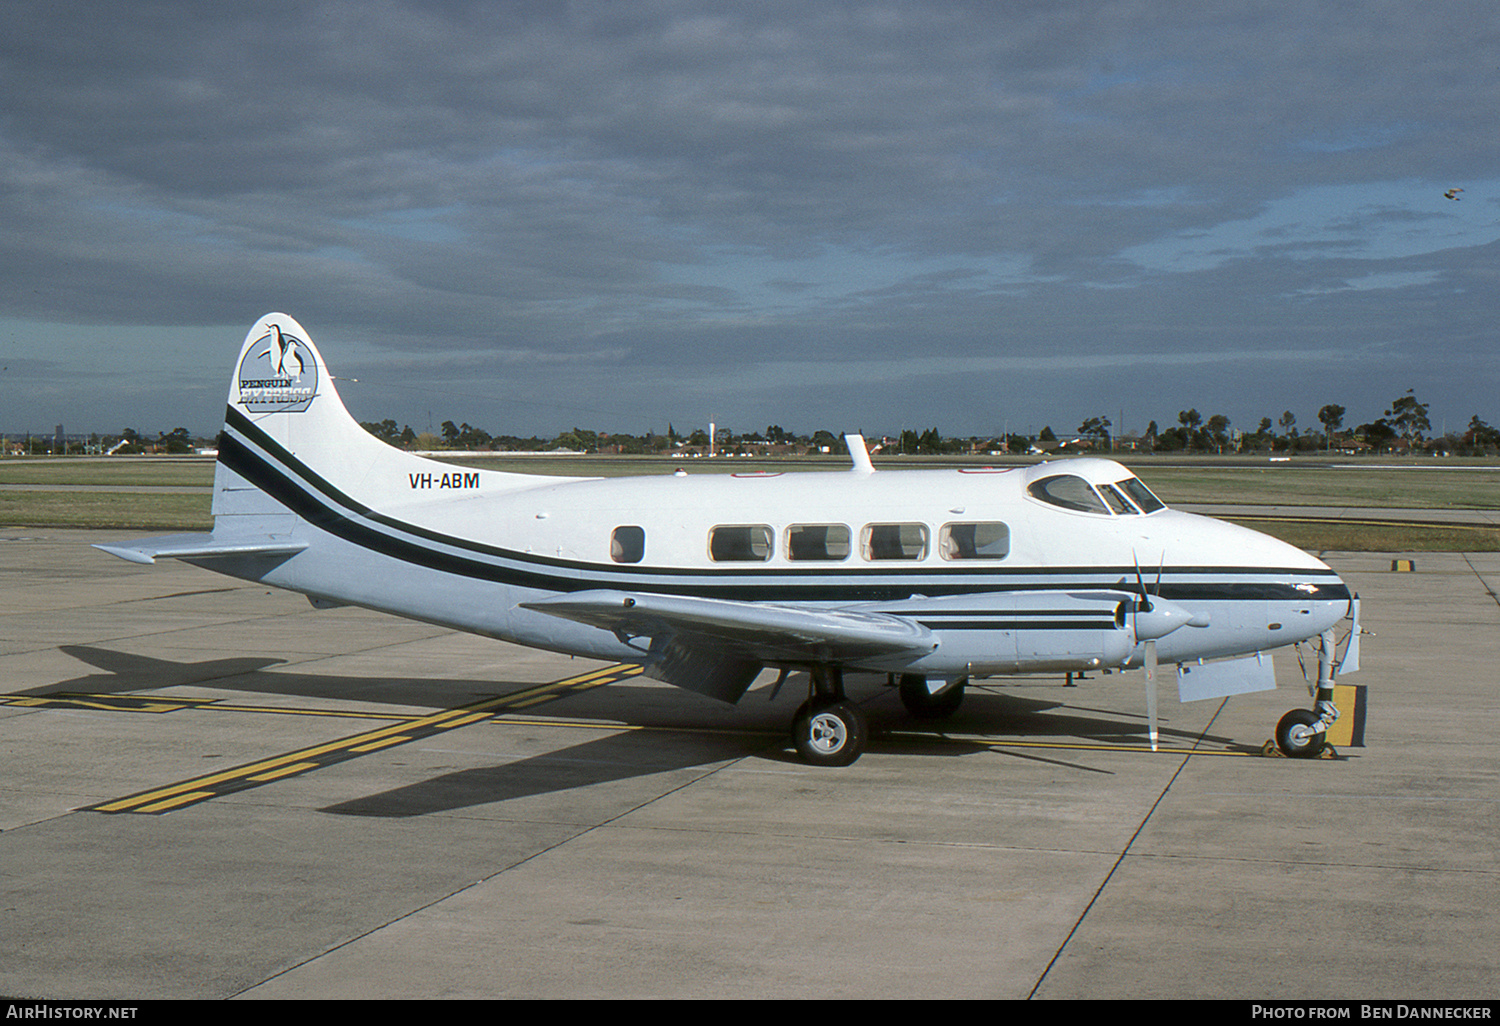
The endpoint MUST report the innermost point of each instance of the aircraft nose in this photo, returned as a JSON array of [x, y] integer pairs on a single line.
[[1259, 549]]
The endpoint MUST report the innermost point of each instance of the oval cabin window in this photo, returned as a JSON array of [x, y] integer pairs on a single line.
[[627, 545], [895, 541], [749, 543], [817, 541], [985, 540]]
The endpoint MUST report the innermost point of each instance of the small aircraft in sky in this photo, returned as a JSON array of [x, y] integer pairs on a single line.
[[933, 577]]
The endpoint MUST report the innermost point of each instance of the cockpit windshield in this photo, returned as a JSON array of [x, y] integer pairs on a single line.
[[1123, 498], [1069, 492]]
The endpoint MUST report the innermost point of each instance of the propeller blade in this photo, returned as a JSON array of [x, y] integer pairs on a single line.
[[1140, 582], [1151, 691]]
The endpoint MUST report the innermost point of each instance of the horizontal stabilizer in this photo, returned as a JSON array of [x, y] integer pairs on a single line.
[[202, 546]]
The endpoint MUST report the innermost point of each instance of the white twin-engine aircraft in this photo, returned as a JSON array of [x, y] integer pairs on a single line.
[[935, 577]]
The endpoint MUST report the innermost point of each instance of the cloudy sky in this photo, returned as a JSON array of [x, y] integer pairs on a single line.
[[974, 216]]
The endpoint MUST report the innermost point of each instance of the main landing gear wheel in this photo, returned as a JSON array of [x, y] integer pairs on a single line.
[[829, 731], [1296, 736], [924, 705]]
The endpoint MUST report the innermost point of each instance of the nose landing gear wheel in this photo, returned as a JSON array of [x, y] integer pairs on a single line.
[[829, 733], [1296, 737]]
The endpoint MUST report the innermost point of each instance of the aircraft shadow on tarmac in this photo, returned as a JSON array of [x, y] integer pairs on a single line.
[[649, 737], [637, 753], [126, 672], [603, 760]]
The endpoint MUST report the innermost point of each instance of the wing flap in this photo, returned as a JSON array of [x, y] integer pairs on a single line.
[[202, 546]]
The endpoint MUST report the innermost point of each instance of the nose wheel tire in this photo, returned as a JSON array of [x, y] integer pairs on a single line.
[[829, 732], [1296, 737]]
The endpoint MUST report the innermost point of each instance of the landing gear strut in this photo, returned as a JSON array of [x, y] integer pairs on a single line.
[[1302, 733], [828, 729]]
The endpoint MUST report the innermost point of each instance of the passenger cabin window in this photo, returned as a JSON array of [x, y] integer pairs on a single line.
[[627, 545], [1068, 492], [974, 541], [817, 541], [749, 543], [894, 541]]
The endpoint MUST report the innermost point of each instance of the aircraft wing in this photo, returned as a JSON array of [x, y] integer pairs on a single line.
[[202, 546], [716, 647]]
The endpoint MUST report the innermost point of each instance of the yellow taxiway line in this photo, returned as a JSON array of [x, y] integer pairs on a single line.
[[239, 778]]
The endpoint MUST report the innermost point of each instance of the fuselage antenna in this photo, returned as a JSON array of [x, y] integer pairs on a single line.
[[859, 454]]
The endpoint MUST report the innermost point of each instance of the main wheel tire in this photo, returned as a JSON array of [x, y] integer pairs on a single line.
[[924, 705], [1295, 737], [829, 732]]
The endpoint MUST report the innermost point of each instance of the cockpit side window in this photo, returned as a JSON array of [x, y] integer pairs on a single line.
[[1117, 502], [1069, 492], [1141, 495]]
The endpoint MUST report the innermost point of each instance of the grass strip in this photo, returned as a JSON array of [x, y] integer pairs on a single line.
[[131, 511]]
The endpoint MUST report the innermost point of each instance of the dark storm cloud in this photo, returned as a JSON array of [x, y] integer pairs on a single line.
[[955, 213]]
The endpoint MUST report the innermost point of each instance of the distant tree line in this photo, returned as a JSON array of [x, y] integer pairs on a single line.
[[1404, 427], [128, 442]]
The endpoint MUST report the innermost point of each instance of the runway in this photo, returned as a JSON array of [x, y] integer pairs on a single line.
[[212, 790]]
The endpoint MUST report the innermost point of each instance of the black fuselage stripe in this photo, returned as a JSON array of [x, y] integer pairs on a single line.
[[290, 482], [351, 527]]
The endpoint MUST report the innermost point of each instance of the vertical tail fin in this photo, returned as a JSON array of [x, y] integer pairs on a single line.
[[290, 455], [289, 444], [283, 388], [282, 403], [288, 436]]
